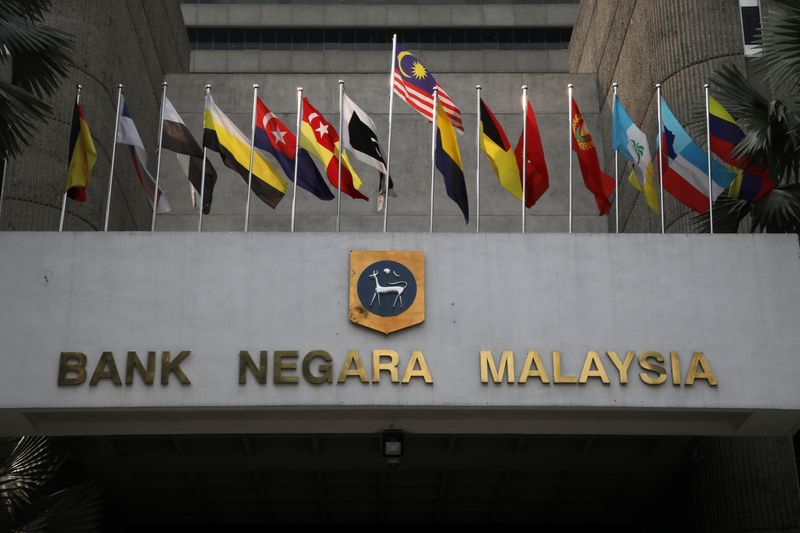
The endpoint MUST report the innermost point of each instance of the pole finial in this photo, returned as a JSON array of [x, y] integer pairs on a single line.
[[164, 83], [79, 86], [477, 86], [524, 87], [615, 84], [119, 86], [341, 82], [705, 86], [569, 86], [255, 86], [658, 85]]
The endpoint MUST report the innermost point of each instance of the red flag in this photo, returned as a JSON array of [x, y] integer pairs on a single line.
[[536, 179], [600, 183]]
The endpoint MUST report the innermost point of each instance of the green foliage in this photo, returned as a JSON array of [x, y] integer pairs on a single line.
[[39, 57], [771, 123], [38, 493]]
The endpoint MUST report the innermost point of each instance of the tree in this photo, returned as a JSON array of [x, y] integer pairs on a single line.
[[39, 492], [770, 120], [38, 58]]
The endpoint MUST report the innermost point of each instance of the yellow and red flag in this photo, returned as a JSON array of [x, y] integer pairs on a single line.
[[320, 139], [598, 182], [82, 156]]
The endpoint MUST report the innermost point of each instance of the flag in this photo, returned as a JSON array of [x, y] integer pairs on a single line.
[[752, 180], [631, 142], [360, 136], [221, 135], [448, 161], [176, 137], [382, 193], [414, 84], [497, 148], [321, 140], [598, 182], [274, 137], [129, 135], [686, 166], [82, 156], [536, 177]]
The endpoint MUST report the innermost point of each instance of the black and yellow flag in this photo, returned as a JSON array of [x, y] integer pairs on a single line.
[[501, 155], [221, 135], [82, 157]]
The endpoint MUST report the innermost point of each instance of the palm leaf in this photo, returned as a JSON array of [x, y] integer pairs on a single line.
[[75, 508], [32, 10], [20, 111], [25, 469], [728, 215], [778, 211], [41, 54], [780, 40]]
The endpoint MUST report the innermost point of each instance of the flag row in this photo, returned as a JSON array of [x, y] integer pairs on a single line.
[[273, 153]]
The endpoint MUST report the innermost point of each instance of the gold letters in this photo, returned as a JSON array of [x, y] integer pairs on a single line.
[[698, 359], [506, 367], [593, 359], [71, 363]]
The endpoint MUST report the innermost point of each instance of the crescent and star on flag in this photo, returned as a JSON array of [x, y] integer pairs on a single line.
[[277, 133], [417, 68]]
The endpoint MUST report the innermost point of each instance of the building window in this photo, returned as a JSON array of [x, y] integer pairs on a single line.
[[751, 23], [534, 38]]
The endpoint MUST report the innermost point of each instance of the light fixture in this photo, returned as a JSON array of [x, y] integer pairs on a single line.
[[392, 443]]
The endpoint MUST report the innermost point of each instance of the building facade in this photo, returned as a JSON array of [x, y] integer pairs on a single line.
[[230, 380]]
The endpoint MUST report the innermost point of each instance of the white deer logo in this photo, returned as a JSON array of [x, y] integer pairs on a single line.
[[393, 287]]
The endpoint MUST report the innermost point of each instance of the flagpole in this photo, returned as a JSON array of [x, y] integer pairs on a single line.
[[660, 152], [389, 141], [569, 152], [297, 150], [252, 154], [523, 169], [113, 158], [478, 159], [3, 183], [203, 174], [158, 155], [341, 144], [616, 164], [710, 195], [433, 146], [64, 199]]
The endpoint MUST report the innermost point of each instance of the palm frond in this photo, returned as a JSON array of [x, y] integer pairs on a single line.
[[32, 10], [75, 508], [20, 111], [24, 471], [778, 211], [780, 40], [728, 215], [41, 54]]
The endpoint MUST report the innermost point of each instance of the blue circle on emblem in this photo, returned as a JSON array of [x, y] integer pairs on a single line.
[[386, 288]]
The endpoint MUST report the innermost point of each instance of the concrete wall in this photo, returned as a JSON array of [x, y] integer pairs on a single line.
[[409, 211], [395, 14], [638, 43], [216, 294], [133, 42]]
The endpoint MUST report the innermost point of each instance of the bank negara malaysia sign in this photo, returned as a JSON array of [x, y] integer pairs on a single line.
[[387, 289]]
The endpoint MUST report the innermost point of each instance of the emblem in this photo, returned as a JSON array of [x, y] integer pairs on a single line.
[[387, 289]]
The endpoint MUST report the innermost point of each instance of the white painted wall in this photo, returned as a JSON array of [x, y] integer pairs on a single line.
[[735, 298]]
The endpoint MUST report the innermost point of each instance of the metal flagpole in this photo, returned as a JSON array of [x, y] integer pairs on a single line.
[[341, 148], [478, 159], [660, 159], [158, 153], [64, 199], [3, 182], [710, 195], [433, 146], [297, 150], [569, 152], [389, 140], [252, 154], [616, 164], [524, 150], [113, 158], [203, 174]]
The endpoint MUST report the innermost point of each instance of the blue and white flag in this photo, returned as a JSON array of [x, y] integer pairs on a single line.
[[129, 135], [686, 166]]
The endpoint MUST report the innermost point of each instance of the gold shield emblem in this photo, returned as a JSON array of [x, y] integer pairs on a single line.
[[387, 289]]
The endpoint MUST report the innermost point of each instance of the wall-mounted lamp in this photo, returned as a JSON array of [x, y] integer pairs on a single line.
[[392, 443]]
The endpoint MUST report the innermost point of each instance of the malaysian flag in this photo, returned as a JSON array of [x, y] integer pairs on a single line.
[[414, 84]]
